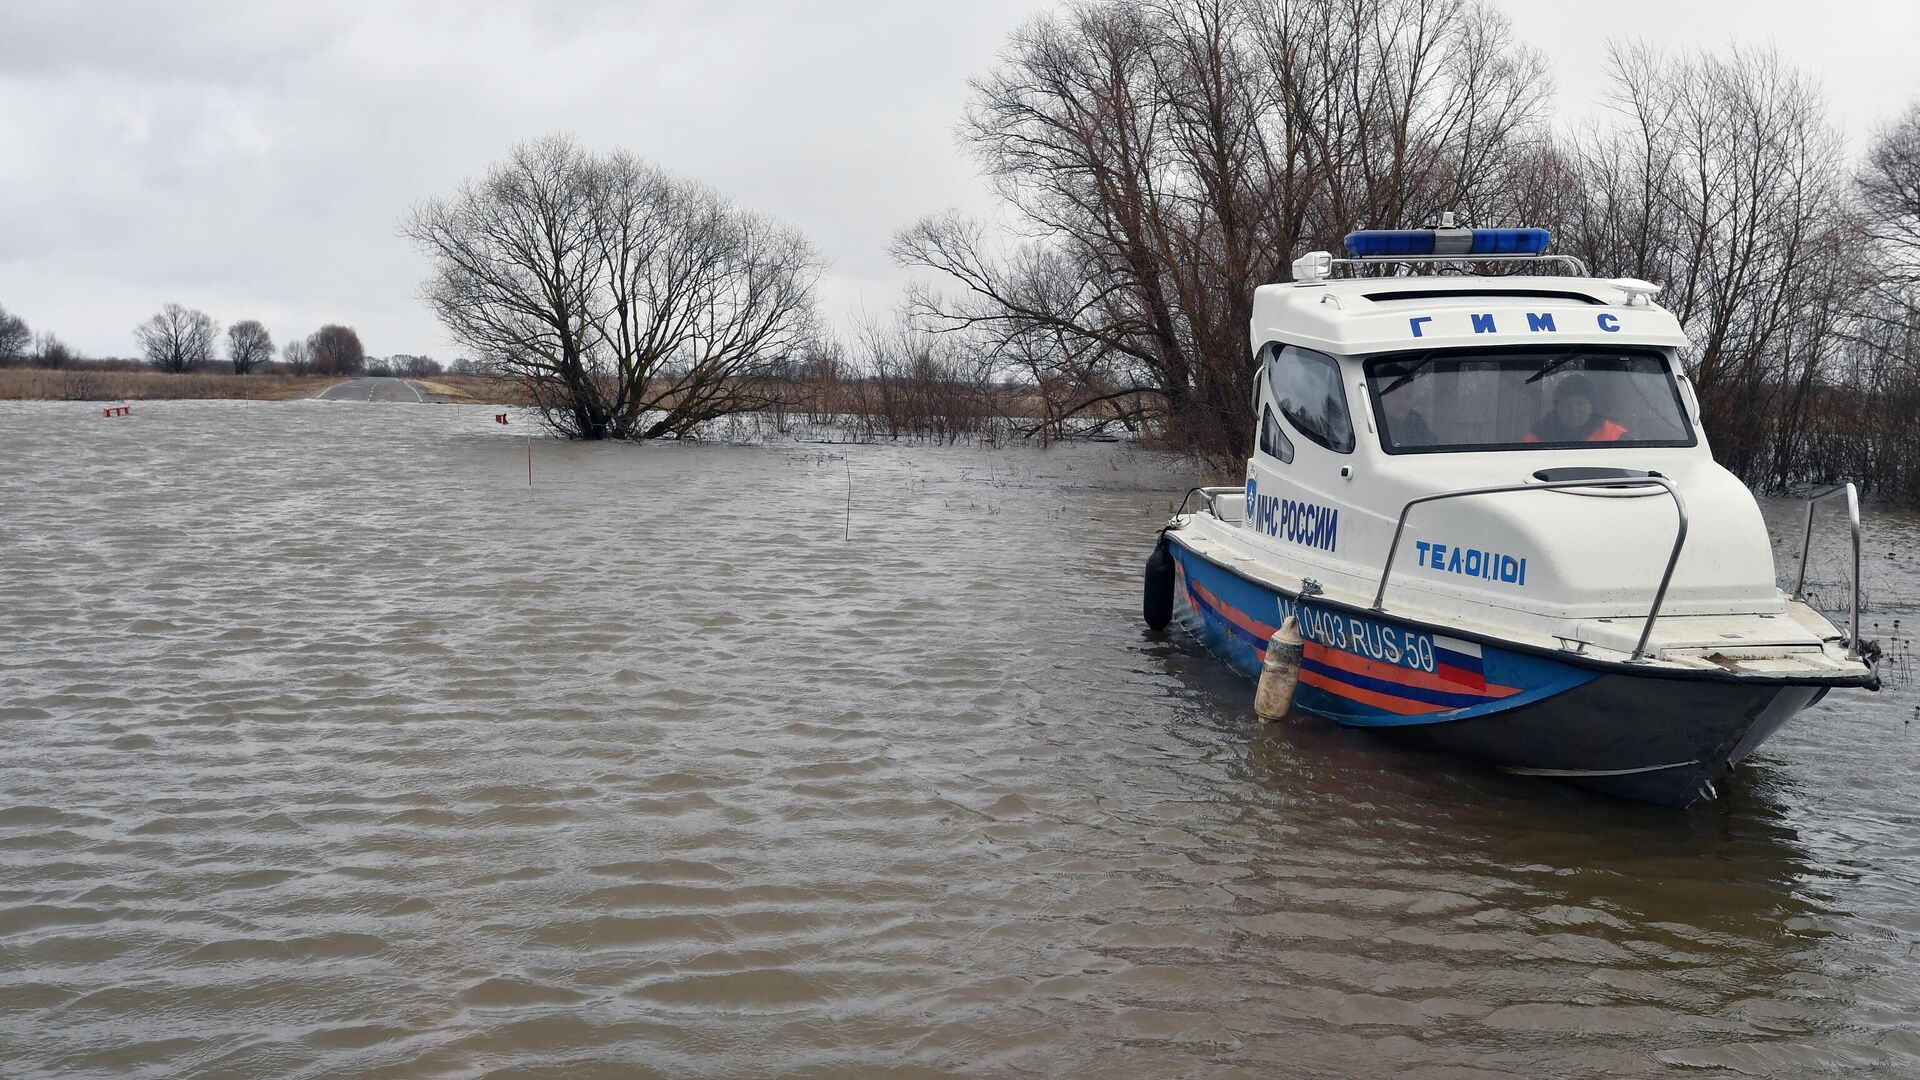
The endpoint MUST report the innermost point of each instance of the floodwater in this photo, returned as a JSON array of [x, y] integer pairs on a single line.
[[331, 749]]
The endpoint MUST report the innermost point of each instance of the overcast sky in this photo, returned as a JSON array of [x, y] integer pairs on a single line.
[[254, 160]]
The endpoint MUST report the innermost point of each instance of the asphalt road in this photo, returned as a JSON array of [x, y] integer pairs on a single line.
[[373, 389]]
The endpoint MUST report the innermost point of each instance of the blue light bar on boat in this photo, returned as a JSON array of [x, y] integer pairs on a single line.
[[1391, 243]]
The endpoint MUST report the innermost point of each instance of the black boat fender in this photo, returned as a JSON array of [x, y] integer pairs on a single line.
[[1157, 607]]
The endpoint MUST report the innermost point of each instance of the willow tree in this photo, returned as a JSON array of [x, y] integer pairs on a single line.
[[177, 338], [630, 303], [248, 346]]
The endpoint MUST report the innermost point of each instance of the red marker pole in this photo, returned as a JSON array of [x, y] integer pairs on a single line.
[[501, 418]]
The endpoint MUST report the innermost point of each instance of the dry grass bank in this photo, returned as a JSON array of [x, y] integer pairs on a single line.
[[29, 384], [475, 390]]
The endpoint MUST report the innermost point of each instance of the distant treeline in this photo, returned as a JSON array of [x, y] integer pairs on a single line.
[[180, 340], [901, 383]]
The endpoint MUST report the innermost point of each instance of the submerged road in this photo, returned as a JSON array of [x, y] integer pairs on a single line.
[[373, 389]]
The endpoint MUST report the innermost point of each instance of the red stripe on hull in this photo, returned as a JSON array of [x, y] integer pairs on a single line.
[[1378, 700], [1244, 622], [1394, 673]]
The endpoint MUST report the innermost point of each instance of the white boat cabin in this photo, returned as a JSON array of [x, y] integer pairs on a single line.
[[1378, 390]]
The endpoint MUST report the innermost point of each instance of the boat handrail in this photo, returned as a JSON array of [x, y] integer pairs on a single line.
[[1571, 262], [1806, 549], [1666, 579], [1208, 494]]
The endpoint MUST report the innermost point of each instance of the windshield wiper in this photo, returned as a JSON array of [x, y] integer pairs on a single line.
[[1408, 375], [1554, 365]]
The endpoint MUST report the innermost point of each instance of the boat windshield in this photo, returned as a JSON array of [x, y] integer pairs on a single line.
[[1447, 401]]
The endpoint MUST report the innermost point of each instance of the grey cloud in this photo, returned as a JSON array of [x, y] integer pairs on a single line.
[[255, 159]]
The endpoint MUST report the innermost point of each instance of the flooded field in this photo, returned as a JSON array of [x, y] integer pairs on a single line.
[[331, 749]]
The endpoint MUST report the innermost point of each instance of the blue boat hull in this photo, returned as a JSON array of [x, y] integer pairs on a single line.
[[1650, 738]]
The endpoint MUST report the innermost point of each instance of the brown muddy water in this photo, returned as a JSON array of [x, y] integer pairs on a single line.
[[331, 750]]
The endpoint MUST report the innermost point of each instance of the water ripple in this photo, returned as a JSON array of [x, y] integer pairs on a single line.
[[334, 750]]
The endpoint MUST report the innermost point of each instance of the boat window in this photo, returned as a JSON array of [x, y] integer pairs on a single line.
[[1273, 441], [1446, 401], [1311, 395]]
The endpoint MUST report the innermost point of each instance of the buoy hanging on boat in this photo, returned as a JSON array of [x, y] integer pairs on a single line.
[[1280, 673], [1157, 608]]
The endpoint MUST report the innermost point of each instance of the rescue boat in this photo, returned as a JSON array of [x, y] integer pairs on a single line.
[[1483, 492]]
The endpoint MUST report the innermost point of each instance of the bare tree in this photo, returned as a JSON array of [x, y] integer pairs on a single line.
[[51, 353], [629, 303], [248, 346], [1863, 427], [14, 337], [336, 350], [298, 357], [1724, 184], [177, 338], [1890, 187], [909, 383], [1168, 157]]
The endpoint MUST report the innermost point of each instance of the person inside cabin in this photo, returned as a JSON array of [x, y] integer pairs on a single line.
[[1573, 417], [1405, 424]]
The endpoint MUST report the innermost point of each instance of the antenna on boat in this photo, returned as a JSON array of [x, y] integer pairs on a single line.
[[1639, 293]]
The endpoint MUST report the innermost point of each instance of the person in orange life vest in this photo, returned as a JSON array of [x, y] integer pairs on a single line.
[[1572, 418]]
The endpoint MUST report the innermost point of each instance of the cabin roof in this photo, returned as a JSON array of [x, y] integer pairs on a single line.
[[1364, 315]]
